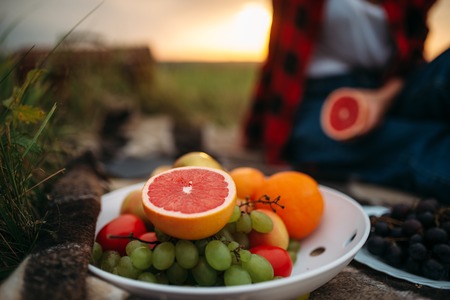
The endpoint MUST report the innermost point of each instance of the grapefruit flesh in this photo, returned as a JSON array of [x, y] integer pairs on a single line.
[[344, 113], [189, 202]]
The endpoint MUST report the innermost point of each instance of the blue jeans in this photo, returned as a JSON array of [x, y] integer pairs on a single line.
[[409, 150]]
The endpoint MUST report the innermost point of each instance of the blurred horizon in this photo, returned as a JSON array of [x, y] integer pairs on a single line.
[[174, 30]]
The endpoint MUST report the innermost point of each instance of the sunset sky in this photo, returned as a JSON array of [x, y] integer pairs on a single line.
[[187, 30]]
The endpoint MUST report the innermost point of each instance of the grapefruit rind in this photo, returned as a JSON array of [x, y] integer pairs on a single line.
[[190, 226]]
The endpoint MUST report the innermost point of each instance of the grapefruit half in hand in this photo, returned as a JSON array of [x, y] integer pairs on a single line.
[[189, 202], [344, 114]]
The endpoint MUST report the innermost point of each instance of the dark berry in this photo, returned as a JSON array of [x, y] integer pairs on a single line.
[[400, 211], [381, 228], [416, 238], [411, 226], [413, 266], [442, 253], [376, 245], [411, 216], [417, 251], [432, 269], [435, 235], [397, 232], [446, 226], [427, 219], [394, 255], [430, 205]]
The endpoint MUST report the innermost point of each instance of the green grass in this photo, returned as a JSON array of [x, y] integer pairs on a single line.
[[204, 92], [193, 93], [25, 116]]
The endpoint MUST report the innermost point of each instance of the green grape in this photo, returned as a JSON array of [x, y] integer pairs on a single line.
[[236, 275], [231, 227], [147, 277], [163, 255], [109, 260], [244, 255], [244, 224], [203, 273], [259, 268], [125, 268], [142, 257], [225, 235], [201, 245], [242, 239], [261, 222], [235, 258], [97, 252], [186, 254], [236, 214], [233, 245], [218, 255], [293, 255], [133, 244], [176, 274], [161, 236], [294, 245]]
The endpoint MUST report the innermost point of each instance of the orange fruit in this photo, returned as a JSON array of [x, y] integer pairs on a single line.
[[248, 180], [302, 200], [189, 202]]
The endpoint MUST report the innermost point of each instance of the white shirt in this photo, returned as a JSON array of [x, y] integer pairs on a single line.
[[354, 34]]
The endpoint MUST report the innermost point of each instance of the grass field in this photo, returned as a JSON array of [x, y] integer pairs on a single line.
[[193, 93], [206, 92]]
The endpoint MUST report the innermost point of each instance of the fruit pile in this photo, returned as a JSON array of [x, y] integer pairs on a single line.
[[414, 238], [195, 223]]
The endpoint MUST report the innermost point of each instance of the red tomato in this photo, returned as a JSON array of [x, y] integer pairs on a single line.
[[122, 226], [149, 237], [278, 258]]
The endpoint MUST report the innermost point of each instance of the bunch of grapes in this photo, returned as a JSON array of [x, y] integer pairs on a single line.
[[219, 260], [414, 238]]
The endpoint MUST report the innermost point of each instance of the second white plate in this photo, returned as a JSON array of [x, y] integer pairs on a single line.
[[363, 256]]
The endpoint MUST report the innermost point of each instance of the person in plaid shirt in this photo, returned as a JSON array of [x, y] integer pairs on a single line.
[[374, 49]]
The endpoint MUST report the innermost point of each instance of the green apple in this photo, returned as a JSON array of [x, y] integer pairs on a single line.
[[160, 169], [132, 204], [200, 159]]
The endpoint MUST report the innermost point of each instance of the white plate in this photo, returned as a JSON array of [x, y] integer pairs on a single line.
[[372, 261], [342, 232]]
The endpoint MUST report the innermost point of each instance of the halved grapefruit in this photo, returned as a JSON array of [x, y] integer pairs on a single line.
[[344, 114], [189, 202]]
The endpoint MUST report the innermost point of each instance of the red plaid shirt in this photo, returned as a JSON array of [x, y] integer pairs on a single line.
[[295, 26]]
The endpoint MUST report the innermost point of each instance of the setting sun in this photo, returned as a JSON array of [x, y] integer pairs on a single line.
[[250, 26], [241, 35]]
